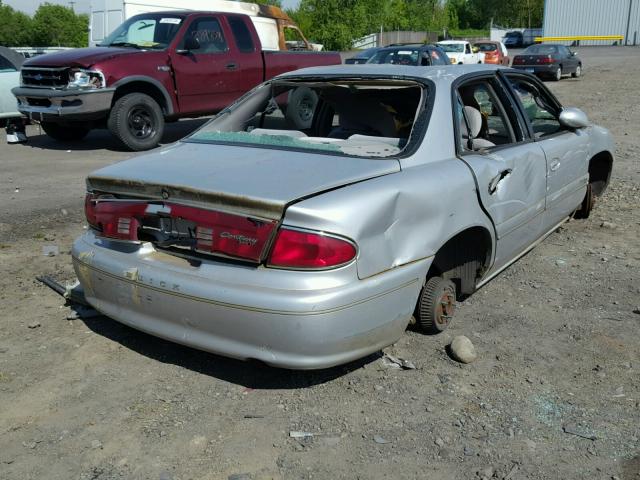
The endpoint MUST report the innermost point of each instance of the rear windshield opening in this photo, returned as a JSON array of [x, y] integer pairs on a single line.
[[364, 118]]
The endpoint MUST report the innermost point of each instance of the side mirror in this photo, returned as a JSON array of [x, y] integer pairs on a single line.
[[573, 54], [573, 118], [190, 43]]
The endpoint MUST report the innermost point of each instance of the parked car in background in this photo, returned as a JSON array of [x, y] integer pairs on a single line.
[[362, 57], [307, 248], [549, 60], [461, 52], [10, 63], [421, 55], [495, 53], [513, 39], [153, 68]]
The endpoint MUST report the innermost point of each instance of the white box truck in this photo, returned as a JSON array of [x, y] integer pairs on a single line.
[[275, 28]]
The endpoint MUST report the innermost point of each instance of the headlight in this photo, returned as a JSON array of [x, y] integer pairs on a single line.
[[453, 60], [79, 78]]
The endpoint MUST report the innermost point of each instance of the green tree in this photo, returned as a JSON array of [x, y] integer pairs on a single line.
[[55, 25], [15, 27]]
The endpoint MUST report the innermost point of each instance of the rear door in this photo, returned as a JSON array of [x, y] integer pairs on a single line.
[[510, 170], [208, 77], [566, 150]]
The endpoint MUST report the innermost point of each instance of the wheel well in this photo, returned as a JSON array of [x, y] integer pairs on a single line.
[[463, 259], [142, 87], [600, 172]]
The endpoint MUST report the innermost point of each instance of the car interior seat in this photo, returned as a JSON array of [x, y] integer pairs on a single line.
[[474, 120]]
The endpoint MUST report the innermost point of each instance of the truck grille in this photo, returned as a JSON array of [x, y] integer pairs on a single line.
[[45, 77]]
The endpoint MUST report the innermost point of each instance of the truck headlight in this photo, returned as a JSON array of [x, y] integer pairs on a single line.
[[79, 78]]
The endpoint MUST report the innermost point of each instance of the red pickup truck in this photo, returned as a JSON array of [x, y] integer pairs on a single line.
[[155, 68]]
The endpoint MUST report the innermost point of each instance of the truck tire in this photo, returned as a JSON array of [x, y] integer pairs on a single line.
[[300, 108], [64, 133], [137, 121]]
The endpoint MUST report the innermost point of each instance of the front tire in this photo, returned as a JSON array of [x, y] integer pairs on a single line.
[[137, 121], [578, 72], [64, 133], [587, 204], [436, 305]]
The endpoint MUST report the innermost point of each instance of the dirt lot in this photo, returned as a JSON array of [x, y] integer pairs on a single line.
[[557, 336]]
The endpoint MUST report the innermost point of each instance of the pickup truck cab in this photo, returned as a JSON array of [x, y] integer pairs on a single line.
[[461, 52], [153, 68]]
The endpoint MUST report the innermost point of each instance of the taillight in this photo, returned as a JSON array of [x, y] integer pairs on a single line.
[[547, 59], [207, 231], [310, 250], [518, 61]]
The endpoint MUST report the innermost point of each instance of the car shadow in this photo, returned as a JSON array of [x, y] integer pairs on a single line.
[[99, 139], [250, 374]]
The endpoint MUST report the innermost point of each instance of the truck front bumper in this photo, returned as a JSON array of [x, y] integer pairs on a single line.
[[47, 104], [291, 319]]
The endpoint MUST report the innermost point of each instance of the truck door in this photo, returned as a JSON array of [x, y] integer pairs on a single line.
[[210, 70], [510, 171]]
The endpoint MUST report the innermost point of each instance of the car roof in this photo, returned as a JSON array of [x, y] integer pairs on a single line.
[[454, 41], [438, 74]]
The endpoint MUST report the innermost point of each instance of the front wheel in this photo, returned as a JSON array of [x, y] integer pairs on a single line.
[[64, 132], [137, 121], [578, 72], [436, 305]]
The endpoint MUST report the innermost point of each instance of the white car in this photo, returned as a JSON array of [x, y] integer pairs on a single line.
[[9, 78], [461, 52]]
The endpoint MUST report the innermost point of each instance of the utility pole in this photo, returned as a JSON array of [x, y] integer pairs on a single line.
[[72, 3]]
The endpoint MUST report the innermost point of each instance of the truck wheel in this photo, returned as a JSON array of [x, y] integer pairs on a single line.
[[301, 107], [136, 120], [64, 133], [436, 305]]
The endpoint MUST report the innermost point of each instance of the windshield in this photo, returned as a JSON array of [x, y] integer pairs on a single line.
[[452, 47], [396, 57], [486, 47], [541, 50], [364, 118], [148, 31]]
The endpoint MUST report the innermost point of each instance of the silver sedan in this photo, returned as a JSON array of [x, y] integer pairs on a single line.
[[306, 246]]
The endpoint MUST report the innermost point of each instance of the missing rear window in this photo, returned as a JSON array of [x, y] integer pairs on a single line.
[[364, 118]]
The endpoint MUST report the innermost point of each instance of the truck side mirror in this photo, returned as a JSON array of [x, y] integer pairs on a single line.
[[190, 43]]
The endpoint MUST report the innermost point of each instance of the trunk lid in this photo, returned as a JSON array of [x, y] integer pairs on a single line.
[[256, 182]]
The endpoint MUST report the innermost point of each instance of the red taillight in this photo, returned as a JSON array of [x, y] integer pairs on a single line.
[[210, 231], [302, 249], [547, 59]]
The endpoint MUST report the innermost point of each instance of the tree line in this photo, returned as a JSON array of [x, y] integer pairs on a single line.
[[336, 23], [50, 26]]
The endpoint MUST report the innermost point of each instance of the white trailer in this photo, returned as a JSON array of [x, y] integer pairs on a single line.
[[270, 22]]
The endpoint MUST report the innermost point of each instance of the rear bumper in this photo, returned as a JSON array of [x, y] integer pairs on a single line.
[[45, 104], [300, 320], [549, 69]]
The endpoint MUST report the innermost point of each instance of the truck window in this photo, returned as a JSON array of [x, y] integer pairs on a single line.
[[241, 34], [208, 32]]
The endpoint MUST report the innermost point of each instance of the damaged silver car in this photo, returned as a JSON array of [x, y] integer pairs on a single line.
[[406, 190]]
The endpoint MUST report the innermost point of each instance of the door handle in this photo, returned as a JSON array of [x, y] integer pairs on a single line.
[[231, 66], [493, 184], [555, 165]]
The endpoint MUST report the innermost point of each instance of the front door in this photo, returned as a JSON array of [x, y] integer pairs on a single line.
[[510, 172], [566, 151], [202, 73]]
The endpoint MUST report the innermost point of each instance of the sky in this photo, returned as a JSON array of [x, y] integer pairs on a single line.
[[83, 6]]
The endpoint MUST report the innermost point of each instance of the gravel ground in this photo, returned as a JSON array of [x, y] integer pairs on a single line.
[[554, 393]]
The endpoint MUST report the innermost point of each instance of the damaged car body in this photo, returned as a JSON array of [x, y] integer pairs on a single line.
[[308, 248]]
